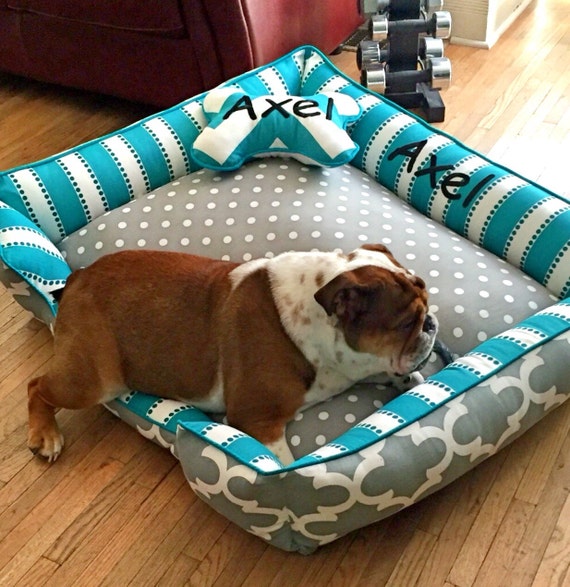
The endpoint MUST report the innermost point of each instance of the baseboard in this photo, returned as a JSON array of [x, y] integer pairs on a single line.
[[469, 42]]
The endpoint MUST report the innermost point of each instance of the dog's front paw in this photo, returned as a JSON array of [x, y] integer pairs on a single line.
[[46, 442], [406, 382], [281, 450]]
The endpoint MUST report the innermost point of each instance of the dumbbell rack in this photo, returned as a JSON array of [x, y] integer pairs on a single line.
[[405, 34]]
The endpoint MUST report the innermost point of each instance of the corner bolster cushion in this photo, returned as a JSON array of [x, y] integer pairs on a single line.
[[26, 250]]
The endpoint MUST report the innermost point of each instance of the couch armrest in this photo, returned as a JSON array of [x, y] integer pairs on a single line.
[[230, 36], [281, 25]]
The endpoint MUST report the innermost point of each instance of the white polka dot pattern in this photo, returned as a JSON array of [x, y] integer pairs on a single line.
[[473, 294], [274, 205]]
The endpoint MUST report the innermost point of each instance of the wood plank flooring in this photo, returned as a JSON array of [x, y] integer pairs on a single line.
[[115, 509]]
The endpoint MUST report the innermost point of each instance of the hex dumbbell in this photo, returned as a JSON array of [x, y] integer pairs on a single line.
[[436, 73], [369, 52], [371, 6], [430, 47], [438, 26]]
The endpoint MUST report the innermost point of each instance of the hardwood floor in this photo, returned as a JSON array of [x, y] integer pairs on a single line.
[[115, 509]]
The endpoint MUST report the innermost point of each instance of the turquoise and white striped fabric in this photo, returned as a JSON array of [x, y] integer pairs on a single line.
[[508, 215], [519, 221], [65, 192], [310, 129], [27, 251]]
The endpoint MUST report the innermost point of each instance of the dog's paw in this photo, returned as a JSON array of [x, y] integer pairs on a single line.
[[281, 450], [46, 443], [406, 382]]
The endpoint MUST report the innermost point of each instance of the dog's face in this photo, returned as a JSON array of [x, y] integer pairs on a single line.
[[382, 309]]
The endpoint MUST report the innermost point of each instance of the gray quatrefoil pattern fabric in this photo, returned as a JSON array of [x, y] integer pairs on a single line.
[[372, 450]]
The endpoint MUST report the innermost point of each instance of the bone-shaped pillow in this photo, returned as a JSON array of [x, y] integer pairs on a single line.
[[309, 128]]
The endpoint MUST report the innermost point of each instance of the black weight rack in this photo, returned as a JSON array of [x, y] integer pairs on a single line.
[[403, 56]]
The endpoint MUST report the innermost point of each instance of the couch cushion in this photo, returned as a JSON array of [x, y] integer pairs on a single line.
[[123, 14]]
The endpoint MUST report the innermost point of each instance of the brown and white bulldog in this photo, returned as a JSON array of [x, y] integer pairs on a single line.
[[257, 340]]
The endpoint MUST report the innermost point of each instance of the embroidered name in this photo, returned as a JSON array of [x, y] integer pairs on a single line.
[[242, 126], [451, 183], [301, 107]]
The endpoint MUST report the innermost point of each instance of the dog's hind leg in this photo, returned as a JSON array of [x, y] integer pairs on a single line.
[[44, 436], [79, 385]]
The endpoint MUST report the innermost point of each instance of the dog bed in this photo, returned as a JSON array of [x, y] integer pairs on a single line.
[[493, 248]]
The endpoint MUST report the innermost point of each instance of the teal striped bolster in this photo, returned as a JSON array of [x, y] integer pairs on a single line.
[[464, 374], [486, 360], [489, 204], [164, 413], [63, 193], [27, 251], [170, 414]]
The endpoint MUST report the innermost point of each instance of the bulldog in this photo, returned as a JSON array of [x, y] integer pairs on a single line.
[[258, 340]]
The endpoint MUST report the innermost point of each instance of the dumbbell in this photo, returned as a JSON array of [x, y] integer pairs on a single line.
[[430, 47], [436, 73], [438, 26], [371, 6], [369, 52], [431, 6]]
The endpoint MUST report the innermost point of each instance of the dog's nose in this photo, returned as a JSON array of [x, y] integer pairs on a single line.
[[429, 324]]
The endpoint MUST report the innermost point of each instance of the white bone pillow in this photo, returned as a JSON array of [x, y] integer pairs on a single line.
[[309, 128]]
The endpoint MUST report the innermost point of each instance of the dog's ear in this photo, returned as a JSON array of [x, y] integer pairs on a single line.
[[345, 298], [376, 247]]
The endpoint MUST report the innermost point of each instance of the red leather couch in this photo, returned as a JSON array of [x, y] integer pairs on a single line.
[[161, 51]]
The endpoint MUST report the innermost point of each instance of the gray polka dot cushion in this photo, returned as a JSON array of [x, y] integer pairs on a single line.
[[275, 205], [493, 248]]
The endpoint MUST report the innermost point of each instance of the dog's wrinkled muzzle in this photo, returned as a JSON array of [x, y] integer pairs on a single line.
[[428, 334], [430, 325]]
